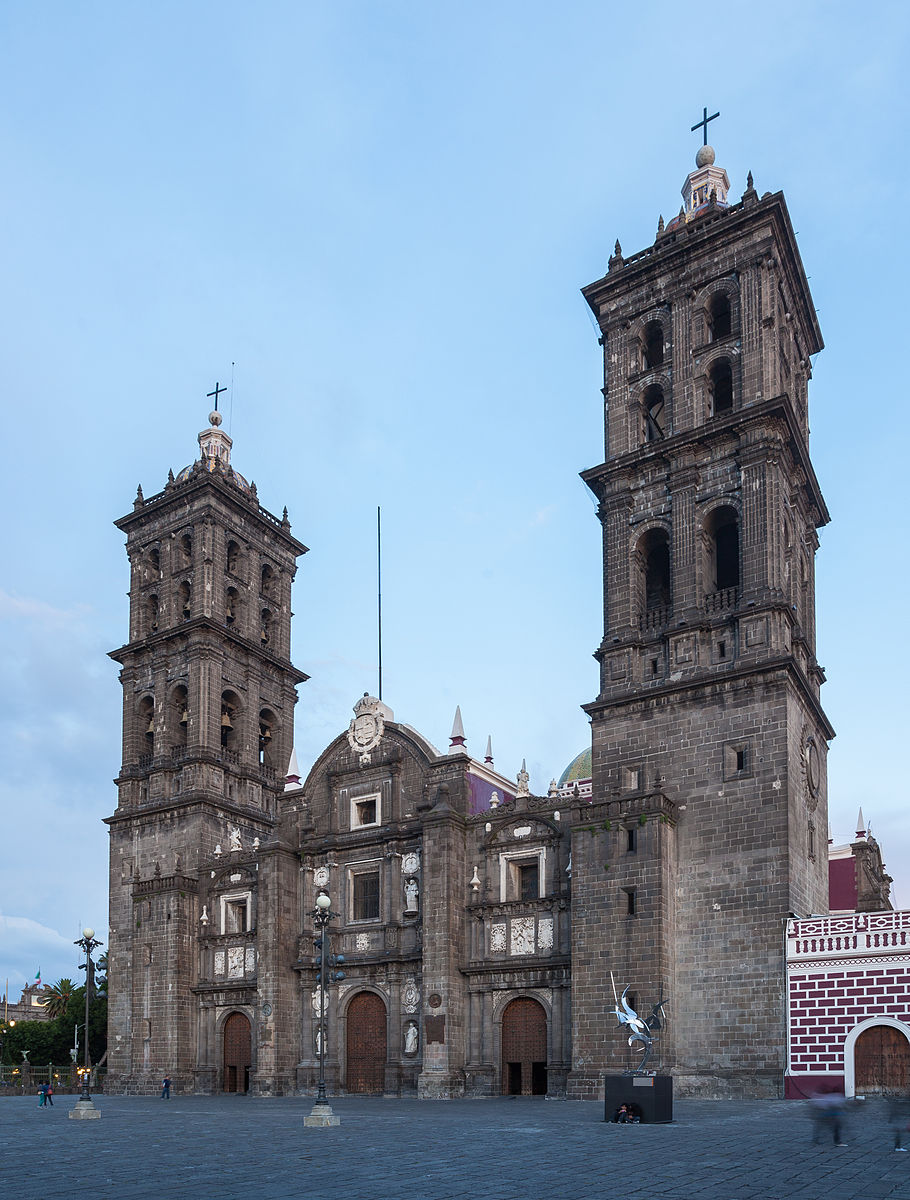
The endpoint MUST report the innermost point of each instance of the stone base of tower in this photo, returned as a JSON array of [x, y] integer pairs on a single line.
[[440, 1085], [731, 1085]]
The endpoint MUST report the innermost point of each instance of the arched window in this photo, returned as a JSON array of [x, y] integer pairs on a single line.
[[265, 627], [657, 579], [268, 580], [184, 593], [147, 725], [720, 385], [233, 557], [267, 728], [153, 559], [723, 550], [186, 548], [152, 613], [720, 316], [231, 606], [655, 421], [652, 345], [179, 716], [230, 714]]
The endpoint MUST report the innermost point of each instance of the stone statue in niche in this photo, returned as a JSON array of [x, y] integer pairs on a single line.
[[411, 1037], [234, 835], [411, 893]]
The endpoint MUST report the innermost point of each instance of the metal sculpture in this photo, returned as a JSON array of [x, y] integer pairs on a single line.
[[642, 1029]]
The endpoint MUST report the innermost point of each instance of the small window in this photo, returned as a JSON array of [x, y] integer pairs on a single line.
[[185, 600], [721, 387], [653, 345], [365, 896], [737, 760], [265, 628], [655, 419], [631, 841], [268, 581], [630, 901], [233, 557], [720, 318], [364, 811], [186, 548]]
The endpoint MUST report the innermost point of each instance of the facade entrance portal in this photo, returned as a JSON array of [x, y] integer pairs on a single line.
[[524, 1048], [366, 1045], [237, 1053]]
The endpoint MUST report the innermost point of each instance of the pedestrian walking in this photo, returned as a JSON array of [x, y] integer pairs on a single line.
[[827, 1110], [899, 1120], [166, 1088], [49, 1095], [42, 1095]]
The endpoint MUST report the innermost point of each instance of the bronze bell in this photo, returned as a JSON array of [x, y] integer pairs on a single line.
[[183, 717], [151, 728], [265, 733], [226, 720]]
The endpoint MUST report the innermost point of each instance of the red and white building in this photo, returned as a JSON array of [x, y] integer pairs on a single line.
[[848, 984]]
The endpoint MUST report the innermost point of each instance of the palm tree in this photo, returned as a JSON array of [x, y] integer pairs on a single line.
[[57, 996]]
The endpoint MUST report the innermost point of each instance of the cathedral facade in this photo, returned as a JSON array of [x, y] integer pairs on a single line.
[[479, 924]]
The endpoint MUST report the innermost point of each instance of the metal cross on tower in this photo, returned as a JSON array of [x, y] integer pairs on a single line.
[[218, 390], [703, 123]]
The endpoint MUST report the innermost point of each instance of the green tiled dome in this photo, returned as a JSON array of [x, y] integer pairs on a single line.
[[578, 768]]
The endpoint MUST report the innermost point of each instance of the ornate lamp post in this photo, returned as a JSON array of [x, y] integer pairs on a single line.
[[84, 1107], [321, 1114]]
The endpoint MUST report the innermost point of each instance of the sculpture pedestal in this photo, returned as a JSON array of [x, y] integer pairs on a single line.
[[84, 1111], [650, 1097], [321, 1117]]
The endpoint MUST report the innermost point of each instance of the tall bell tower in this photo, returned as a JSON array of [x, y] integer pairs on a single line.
[[208, 710], [709, 820]]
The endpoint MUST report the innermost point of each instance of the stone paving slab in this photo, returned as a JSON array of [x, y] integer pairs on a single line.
[[505, 1149]]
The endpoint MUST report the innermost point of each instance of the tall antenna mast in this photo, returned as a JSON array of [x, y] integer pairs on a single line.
[[379, 589]]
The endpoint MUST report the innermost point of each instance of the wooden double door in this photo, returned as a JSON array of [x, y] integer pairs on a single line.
[[881, 1059], [524, 1048], [237, 1053], [365, 1058]]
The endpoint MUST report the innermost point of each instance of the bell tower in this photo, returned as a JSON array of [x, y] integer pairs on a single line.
[[709, 739], [208, 711]]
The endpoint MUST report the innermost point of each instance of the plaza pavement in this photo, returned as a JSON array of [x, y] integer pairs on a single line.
[[202, 1147]]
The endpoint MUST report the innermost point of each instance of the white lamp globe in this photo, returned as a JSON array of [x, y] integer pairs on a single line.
[[88, 934], [323, 901]]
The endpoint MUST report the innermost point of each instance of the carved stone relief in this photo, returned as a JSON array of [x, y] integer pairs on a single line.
[[235, 962], [522, 936], [545, 933], [410, 996], [497, 937]]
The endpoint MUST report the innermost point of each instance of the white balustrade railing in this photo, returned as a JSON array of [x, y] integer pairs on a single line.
[[850, 936]]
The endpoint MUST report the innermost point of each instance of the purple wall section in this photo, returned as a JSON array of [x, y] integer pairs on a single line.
[[482, 790], [842, 884]]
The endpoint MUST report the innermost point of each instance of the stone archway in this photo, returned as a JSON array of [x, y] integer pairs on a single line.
[[524, 1048], [365, 1056], [881, 1061], [237, 1058]]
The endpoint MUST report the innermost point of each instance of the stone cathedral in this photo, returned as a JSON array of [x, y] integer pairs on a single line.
[[479, 923]]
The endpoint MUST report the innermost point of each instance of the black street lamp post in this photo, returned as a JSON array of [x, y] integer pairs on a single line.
[[84, 1106], [321, 1114]]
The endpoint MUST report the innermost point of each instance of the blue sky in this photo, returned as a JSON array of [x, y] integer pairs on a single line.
[[383, 214]]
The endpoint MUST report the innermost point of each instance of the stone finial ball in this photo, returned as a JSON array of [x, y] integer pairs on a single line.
[[705, 156], [215, 417]]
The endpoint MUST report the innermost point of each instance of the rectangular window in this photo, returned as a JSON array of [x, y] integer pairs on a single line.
[[236, 913], [364, 811], [365, 896], [630, 901], [631, 841], [528, 876]]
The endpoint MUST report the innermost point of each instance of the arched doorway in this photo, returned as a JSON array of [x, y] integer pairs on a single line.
[[366, 1045], [237, 1053], [881, 1058], [524, 1048]]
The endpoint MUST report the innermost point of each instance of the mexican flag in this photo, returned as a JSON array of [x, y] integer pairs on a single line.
[[38, 977]]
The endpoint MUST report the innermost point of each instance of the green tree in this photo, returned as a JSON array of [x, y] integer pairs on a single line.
[[57, 997]]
